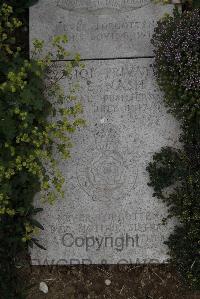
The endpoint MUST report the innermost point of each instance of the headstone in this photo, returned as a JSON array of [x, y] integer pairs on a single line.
[[108, 214], [99, 28]]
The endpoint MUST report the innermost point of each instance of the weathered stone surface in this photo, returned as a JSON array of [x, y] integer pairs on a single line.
[[99, 28], [109, 214]]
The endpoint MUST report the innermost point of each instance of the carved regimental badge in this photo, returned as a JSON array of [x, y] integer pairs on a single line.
[[106, 172]]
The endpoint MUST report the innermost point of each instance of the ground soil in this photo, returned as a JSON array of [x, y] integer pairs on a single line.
[[127, 282]]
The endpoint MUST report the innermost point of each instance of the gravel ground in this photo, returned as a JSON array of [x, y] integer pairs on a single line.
[[110, 282]]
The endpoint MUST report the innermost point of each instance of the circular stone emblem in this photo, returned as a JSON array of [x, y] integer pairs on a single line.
[[104, 173]]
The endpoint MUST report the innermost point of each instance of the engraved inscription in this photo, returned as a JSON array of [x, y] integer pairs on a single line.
[[123, 30], [111, 223], [109, 213], [99, 28], [123, 107]]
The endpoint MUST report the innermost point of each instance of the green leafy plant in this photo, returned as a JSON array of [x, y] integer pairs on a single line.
[[186, 4], [190, 4], [37, 120], [175, 173], [19, 5]]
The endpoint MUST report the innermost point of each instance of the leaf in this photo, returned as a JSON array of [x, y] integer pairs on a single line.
[[36, 224], [8, 127], [37, 210], [30, 243], [35, 241]]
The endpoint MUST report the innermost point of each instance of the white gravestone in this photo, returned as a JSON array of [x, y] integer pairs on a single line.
[[99, 28], [108, 214]]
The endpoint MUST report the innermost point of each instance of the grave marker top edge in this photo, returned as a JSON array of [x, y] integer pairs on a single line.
[[98, 29]]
